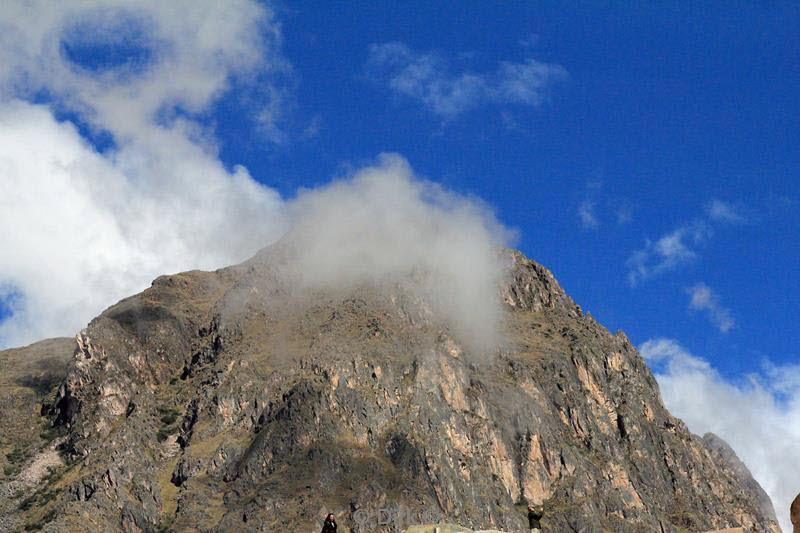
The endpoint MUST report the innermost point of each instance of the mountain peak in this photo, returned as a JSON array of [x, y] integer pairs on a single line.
[[235, 400]]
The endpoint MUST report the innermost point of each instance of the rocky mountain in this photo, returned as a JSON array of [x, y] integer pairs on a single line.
[[231, 401], [726, 457], [28, 376]]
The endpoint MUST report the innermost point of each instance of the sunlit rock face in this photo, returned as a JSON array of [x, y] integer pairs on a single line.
[[235, 401]]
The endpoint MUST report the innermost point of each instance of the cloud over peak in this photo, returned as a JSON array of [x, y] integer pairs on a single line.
[[383, 223], [428, 78]]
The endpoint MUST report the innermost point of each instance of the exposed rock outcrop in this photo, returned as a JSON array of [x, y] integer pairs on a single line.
[[230, 401], [726, 458]]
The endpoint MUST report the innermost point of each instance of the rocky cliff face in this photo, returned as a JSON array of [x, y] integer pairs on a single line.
[[726, 458], [228, 401]]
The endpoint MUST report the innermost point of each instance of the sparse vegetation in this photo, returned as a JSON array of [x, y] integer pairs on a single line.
[[163, 433], [169, 494], [169, 417], [54, 473], [39, 524], [17, 456], [50, 433], [165, 525]]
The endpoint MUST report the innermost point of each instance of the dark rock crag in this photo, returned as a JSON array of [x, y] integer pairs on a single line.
[[228, 401]]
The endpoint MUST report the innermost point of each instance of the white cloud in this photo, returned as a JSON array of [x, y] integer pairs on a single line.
[[675, 248], [163, 56], [588, 215], [668, 252], [721, 211], [592, 203], [702, 298], [758, 417], [597, 206], [86, 228], [428, 78]]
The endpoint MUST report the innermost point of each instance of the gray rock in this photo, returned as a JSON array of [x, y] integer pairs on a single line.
[[261, 407], [727, 458]]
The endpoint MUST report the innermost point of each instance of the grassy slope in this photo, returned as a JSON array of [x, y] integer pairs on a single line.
[[27, 376]]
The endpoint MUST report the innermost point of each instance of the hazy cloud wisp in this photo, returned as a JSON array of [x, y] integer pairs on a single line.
[[722, 211], [667, 253], [702, 298], [428, 78], [596, 206], [587, 214], [676, 248]]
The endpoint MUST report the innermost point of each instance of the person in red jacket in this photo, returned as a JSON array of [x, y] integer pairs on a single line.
[[330, 524]]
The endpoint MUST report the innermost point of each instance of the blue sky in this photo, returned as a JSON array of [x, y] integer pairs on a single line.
[[664, 109], [646, 153]]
